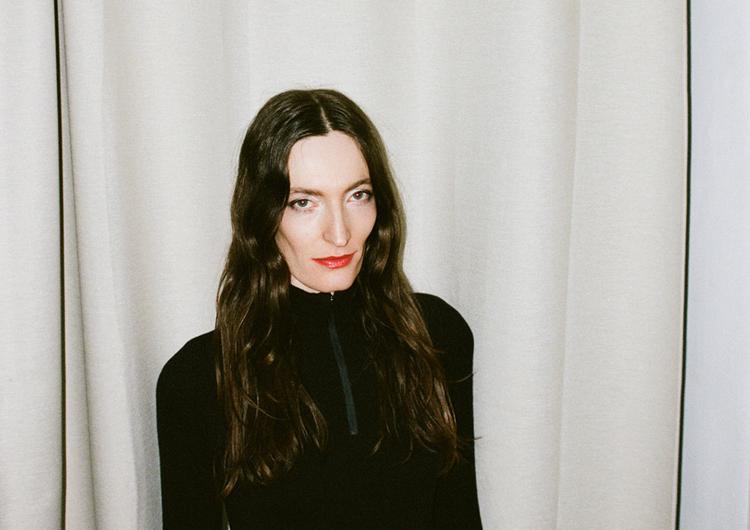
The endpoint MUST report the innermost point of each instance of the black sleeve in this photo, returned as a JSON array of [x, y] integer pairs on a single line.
[[456, 504], [187, 425]]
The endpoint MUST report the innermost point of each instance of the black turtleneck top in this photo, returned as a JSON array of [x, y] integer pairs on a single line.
[[345, 485]]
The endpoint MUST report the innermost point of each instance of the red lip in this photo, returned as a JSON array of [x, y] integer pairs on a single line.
[[335, 262]]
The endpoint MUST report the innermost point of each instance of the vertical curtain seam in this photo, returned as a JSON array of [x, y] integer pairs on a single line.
[[61, 229], [75, 225], [567, 281], [688, 174]]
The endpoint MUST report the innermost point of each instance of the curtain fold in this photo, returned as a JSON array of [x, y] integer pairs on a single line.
[[31, 436], [540, 150], [514, 171], [623, 340], [102, 458]]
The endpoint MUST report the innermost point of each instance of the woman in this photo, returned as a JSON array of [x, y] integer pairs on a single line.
[[329, 395]]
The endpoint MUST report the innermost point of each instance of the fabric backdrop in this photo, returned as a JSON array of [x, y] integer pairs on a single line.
[[541, 151]]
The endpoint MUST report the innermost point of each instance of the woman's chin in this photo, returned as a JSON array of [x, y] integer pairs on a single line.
[[333, 283]]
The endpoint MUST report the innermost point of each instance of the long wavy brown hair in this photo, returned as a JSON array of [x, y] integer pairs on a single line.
[[270, 417]]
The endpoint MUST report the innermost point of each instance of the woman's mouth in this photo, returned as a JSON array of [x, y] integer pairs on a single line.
[[335, 262]]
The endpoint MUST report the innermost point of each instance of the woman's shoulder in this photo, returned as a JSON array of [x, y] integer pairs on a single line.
[[189, 373], [449, 331], [444, 322]]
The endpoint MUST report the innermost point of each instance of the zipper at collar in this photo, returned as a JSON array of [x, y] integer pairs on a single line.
[[346, 385]]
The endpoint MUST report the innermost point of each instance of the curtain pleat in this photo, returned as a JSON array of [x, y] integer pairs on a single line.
[[31, 436], [621, 381], [540, 150], [514, 171]]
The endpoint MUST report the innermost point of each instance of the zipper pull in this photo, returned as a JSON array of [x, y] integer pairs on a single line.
[[331, 297]]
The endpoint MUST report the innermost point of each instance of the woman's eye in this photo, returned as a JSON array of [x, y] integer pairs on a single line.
[[361, 195], [300, 204]]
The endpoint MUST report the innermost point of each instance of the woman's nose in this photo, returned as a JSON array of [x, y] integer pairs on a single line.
[[336, 230]]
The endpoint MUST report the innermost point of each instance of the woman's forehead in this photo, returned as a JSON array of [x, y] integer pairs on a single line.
[[327, 163]]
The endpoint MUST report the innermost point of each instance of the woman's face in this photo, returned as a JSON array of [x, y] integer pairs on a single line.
[[329, 214]]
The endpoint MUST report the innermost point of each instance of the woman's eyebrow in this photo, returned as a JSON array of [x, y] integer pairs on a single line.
[[357, 184], [316, 193]]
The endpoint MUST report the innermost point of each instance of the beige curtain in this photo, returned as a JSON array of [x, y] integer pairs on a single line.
[[31, 431], [541, 151]]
